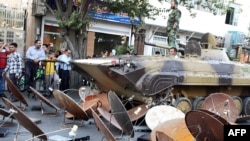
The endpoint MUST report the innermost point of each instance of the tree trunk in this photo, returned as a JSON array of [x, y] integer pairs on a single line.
[[139, 42]]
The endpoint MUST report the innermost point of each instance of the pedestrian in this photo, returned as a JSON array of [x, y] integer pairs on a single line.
[[51, 47], [45, 48], [127, 53], [173, 52], [105, 54], [58, 63], [173, 23], [14, 66], [65, 69], [4, 51], [51, 76], [34, 55], [157, 53]]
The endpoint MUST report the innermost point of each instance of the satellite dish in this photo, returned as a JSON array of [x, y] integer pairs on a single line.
[[159, 114], [222, 105], [205, 125], [120, 113], [25, 121]]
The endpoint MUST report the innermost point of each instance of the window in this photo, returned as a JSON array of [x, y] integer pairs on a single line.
[[233, 14], [11, 25], [230, 16], [161, 40]]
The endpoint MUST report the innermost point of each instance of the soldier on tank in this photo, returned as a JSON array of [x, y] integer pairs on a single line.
[[173, 23]]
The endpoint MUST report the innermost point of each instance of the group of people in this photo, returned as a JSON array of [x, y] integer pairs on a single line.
[[10, 59], [56, 69]]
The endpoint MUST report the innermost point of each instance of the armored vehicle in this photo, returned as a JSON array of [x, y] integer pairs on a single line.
[[200, 70]]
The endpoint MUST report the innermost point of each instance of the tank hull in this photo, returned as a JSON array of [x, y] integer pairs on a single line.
[[145, 76]]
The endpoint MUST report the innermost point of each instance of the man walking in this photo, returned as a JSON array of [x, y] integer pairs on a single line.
[[173, 23], [34, 55], [14, 66]]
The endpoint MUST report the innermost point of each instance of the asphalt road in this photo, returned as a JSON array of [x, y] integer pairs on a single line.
[[54, 127]]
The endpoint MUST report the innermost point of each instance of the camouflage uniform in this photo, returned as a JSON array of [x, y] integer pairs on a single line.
[[174, 18]]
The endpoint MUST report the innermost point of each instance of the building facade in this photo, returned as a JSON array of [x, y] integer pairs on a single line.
[[192, 28], [12, 23], [34, 21], [103, 34]]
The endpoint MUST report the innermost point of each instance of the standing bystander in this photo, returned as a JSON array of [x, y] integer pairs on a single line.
[[51, 47], [52, 78], [4, 51], [14, 66], [45, 48], [173, 23], [58, 63], [65, 69], [158, 53], [34, 55], [173, 52]]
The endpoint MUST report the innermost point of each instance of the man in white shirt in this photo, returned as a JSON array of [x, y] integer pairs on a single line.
[[34, 55], [65, 68]]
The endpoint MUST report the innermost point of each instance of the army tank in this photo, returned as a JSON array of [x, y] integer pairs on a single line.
[[183, 82]]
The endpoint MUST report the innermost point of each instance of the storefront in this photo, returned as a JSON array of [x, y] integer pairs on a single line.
[[51, 34], [106, 32], [110, 31], [107, 36]]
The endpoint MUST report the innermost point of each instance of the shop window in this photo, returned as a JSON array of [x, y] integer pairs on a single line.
[[230, 16], [108, 42]]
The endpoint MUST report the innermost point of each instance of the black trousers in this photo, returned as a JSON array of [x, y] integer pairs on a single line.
[[14, 80], [30, 72], [65, 80]]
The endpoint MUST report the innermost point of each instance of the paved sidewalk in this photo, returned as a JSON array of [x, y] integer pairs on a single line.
[[53, 126]]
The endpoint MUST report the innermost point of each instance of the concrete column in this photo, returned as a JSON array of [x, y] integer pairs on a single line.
[[90, 43]]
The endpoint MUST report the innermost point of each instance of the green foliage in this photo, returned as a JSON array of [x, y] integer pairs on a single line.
[[121, 50], [214, 6], [134, 8], [73, 22]]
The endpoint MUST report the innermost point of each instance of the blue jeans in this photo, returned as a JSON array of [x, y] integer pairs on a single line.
[[2, 82]]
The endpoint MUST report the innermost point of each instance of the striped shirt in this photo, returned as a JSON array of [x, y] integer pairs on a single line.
[[14, 63]]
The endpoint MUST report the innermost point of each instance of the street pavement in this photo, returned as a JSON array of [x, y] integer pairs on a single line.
[[54, 127]]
